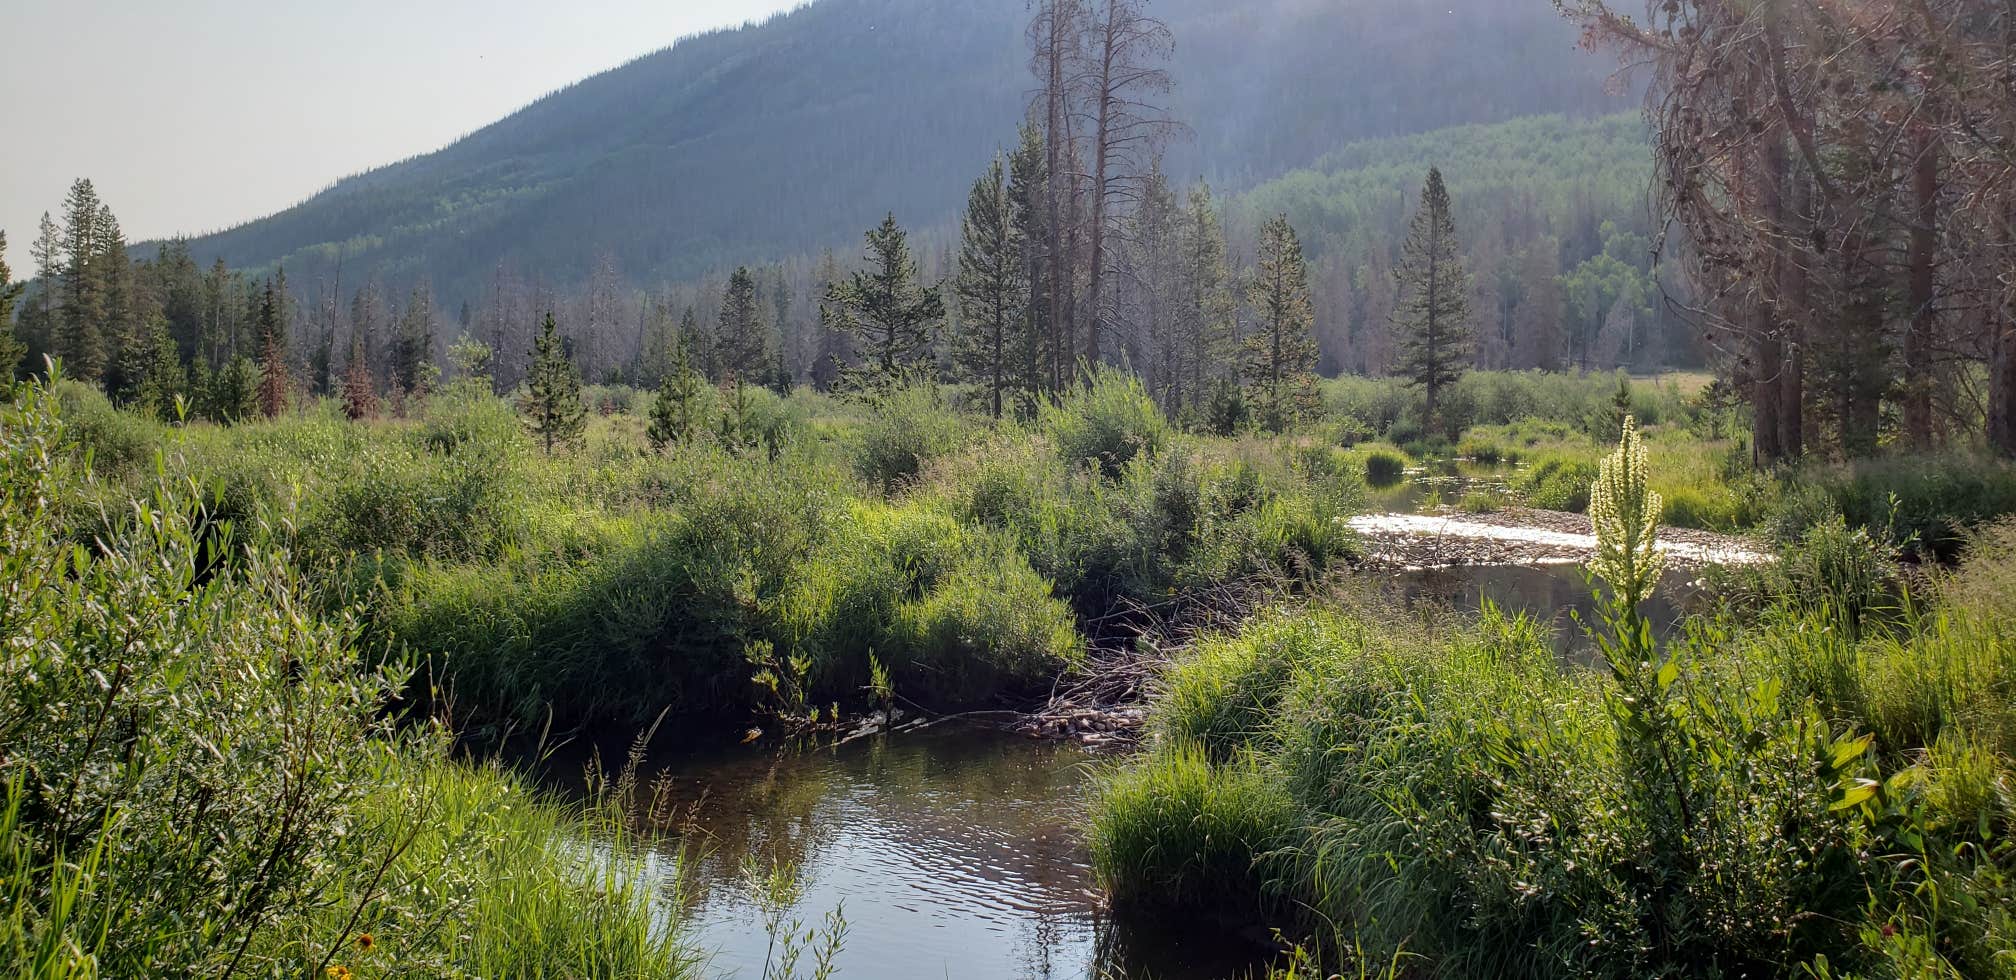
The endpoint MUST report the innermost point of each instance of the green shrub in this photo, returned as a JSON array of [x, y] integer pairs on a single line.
[[1222, 697], [1479, 449], [1174, 831], [116, 441], [1558, 482], [907, 429], [1384, 465], [200, 780], [957, 616], [1107, 422]]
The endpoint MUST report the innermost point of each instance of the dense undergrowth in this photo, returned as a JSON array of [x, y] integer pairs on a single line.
[[1820, 781], [217, 609], [198, 776], [770, 563]]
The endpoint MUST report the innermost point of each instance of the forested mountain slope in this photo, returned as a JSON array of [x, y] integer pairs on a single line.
[[791, 135]]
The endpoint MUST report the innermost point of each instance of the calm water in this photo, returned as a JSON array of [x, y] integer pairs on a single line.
[[1554, 594], [955, 853]]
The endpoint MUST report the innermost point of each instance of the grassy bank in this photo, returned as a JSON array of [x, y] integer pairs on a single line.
[[731, 573], [1820, 784], [1549, 430], [200, 777]]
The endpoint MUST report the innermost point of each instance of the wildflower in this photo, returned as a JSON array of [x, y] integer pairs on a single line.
[[338, 972], [1626, 514], [365, 942]]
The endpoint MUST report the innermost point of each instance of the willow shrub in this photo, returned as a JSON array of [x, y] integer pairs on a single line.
[[1106, 422], [200, 779], [955, 613], [1198, 513]]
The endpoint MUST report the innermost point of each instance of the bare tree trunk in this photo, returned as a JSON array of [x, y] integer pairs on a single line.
[[1053, 44], [1767, 387], [2002, 346], [2002, 350], [1919, 340], [1794, 307]]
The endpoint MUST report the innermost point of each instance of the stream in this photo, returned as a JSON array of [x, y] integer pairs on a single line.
[[957, 852]]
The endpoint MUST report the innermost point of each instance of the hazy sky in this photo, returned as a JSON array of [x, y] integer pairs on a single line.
[[195, 115]]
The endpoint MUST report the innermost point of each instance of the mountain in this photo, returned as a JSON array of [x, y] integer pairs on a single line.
[[794, 134]]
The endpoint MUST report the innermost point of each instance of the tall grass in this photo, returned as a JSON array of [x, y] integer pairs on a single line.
[[200, 778], [1802, 790]]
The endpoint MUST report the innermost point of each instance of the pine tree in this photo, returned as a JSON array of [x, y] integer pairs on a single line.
[[552, 399], [675, 413], [123, 332], [1153, 253], [413, 366], [893, 318], [833, 346], [1281, 352], [471, 361], [660, 343], [1433, 314], [80, 338], [39, 322], [699, 342], [234, 392], [276, 377], [12, 350], [993, 290], [1027, 178], [1206, 316], [742, 342], [162, 383]]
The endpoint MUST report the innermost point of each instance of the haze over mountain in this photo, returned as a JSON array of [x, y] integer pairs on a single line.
[[781, 138]]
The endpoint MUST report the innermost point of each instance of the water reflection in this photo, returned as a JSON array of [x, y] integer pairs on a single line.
[[956, 853], [1555, 594]]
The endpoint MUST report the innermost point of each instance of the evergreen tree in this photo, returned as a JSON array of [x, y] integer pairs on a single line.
[[1433, 313], [552, 399], [699, 342], [80, 339], [886, 308], [993, 288], [1027, 179], [276, 377], [39, 322], [675, 413], [1281, 352], [1206, 317], [413, 366], [660, 345], [125, 331], [741, 341], [12, 350], [162, 383], [833, 351], [234, 392]]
